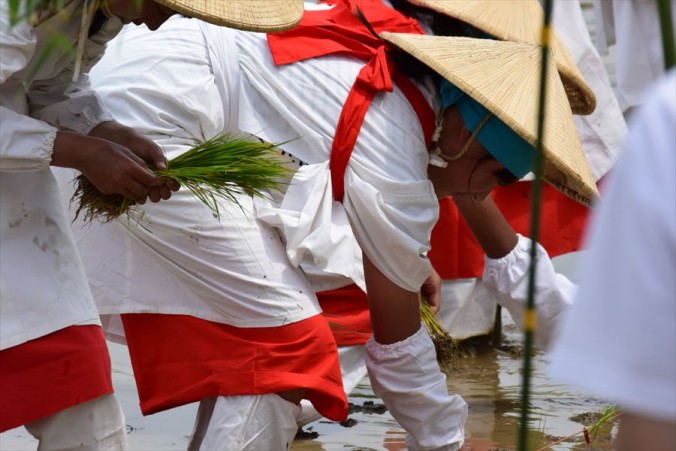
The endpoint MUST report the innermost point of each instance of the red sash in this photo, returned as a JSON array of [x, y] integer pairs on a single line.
[[339, 31]]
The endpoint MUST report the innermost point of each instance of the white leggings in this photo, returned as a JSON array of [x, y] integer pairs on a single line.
[[94, 425], [406, 376], [237, 423]]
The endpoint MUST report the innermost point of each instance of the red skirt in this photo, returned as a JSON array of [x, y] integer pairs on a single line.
[[180, 359], [51, 373]]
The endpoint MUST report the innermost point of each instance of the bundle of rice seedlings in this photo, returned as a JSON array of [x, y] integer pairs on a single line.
[[220, 168], [446, 347]]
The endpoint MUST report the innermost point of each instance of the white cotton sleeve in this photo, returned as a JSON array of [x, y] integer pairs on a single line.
[[392, 222], [67, 105], [31, 111], [18, 44], [507, 279], [73, 105], [25, 144]]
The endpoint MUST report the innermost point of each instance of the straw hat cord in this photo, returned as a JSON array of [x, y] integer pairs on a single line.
[[105, 8], [465, 147], [88, 9]]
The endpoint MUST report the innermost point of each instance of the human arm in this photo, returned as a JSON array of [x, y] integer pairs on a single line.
[[74, 106], [390, 305], [31, 145], [506, 271], [27, 144], [403, 368], [495, 236]]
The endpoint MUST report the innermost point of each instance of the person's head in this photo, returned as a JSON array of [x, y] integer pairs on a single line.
[[488, 127], [251, 15], [464, 167], [147, 12], [475, 151]]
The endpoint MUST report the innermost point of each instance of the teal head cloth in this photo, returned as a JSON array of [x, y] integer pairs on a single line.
[[503, 143]]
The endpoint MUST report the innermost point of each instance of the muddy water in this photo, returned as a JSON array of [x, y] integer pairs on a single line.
[[490, 381]]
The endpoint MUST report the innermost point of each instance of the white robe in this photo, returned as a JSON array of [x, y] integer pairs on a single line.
[[43, 287], [603, 131], [389, 201], [619, 342], [179, 85], [633, 26]]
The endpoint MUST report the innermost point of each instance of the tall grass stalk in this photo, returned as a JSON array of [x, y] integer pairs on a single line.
[[219, 169], [530, 313]]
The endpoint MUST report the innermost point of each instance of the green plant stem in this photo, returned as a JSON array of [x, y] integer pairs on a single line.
[[667, 28], [529, 325]]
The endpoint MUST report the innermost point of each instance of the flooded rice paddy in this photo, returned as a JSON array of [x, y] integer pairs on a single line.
[[490, 382], [488, 379]]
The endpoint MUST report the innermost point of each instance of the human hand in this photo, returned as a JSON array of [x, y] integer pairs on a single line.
[[431, 290], [144, 148], [127, 137], [112, 168]]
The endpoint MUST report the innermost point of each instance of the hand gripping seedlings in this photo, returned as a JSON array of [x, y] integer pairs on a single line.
[[218, 169]]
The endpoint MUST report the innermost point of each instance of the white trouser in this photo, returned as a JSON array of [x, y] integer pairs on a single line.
[[94, 425], [406, 376], [235, 423]]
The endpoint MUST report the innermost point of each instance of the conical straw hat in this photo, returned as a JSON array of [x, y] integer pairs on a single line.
[[250, 15], [519, 21], [504, 77]]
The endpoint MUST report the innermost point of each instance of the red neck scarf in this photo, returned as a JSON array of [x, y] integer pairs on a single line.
[[339, 31]]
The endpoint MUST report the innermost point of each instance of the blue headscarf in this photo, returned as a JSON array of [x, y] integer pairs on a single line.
[[503, 143]]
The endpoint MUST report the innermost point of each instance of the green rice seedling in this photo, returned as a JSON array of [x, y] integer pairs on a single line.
[[608, 414], [218, 169]]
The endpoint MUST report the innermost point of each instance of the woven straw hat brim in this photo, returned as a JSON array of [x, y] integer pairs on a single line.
[[504, 77], [249, 15], [519, 21]]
